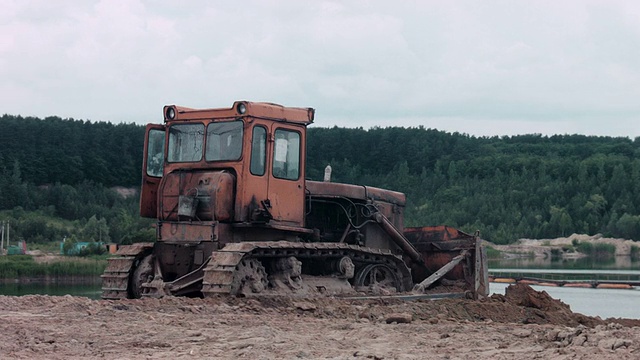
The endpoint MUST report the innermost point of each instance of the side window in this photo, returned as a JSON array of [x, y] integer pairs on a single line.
[[258, 150], [185, 142], [286, 155], [155, 153]]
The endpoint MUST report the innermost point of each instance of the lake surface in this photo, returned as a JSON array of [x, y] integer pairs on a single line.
[[593, 302], [614, 263], [605, 303]]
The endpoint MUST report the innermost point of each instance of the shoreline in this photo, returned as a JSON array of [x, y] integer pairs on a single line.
[[57, 280], [568, 248]]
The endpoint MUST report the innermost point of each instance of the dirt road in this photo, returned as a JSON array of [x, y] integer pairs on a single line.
[[524, 324]]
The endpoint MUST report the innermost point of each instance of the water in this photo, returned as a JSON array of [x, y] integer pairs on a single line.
[[587, 263], [593, 302], [605, 303]]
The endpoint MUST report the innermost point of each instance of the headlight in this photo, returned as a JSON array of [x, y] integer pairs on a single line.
[[242, 108], [171, 113]]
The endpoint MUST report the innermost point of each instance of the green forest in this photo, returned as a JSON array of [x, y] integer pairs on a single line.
[[57, 178]]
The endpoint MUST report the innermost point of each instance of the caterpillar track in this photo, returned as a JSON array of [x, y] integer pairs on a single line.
[[228, 271], [262, 268], [116, 277], [293, 268]]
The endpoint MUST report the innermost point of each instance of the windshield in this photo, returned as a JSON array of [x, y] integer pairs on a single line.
[[224, 141], [185, 142]]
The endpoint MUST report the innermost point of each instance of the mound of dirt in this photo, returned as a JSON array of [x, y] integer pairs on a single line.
[[538, 307], [524, 295]]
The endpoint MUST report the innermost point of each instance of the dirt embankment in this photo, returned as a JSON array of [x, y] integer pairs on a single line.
[[523, 324], [564, 246]]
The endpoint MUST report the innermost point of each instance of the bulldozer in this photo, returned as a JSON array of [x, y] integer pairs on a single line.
[[235, 215]]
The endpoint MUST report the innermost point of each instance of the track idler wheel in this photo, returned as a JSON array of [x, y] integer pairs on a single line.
[[378, 278], [345, 268], [142, 273]]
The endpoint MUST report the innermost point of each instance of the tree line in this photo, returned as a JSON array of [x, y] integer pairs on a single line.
[[510, 187], [68, 151]]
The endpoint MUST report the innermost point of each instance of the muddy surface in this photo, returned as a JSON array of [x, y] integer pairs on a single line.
[[523, 324]]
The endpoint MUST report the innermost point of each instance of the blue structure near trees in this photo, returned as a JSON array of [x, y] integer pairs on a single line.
[[79, 247]]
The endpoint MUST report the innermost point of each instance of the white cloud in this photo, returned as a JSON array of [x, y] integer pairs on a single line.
[[475, 67]]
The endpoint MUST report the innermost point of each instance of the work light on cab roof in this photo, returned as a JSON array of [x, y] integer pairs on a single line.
[[242, 108], [171, 113]]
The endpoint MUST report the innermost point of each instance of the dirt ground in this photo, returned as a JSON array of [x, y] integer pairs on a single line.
[[523, 324]]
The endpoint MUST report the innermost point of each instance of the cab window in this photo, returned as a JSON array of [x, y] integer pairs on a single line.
[[258, 150], [286, 154], [155, 153], [185, 142], [224, 141]]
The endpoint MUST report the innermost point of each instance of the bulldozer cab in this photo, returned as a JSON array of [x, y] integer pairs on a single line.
[[257, 149]]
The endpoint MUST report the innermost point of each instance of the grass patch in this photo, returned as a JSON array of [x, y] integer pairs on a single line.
[[568, 248], [493, 253], [599, 250], [46, 247], [556, 253], [18, 266], [634, 252]]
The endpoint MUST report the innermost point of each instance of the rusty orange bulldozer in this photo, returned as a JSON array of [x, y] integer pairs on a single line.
[[236, 215]]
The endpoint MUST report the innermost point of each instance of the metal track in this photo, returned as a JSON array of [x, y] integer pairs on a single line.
[[219, 274], [115, 279]]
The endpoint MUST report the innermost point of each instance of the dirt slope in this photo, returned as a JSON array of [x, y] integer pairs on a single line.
[[523, 324]]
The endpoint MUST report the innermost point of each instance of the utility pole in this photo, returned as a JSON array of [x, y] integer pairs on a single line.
[[2, 241]]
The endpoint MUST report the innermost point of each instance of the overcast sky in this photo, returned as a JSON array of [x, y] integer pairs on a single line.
[[476, 67]]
